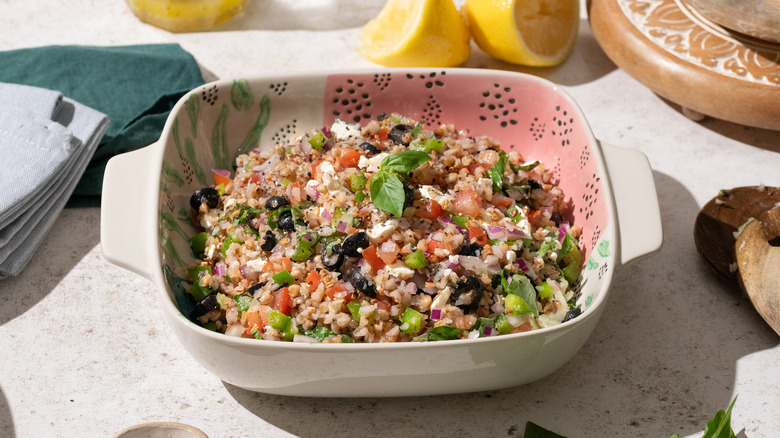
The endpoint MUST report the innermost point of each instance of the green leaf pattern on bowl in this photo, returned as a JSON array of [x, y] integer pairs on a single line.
[[176, 253], [252, 138], [192, 107], [219, 145], [241, 95]]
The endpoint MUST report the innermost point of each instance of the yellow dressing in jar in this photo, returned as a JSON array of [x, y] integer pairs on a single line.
[[186, 15]]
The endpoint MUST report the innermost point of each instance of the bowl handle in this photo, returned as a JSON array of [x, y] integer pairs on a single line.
[[638, 214], [125, 232]]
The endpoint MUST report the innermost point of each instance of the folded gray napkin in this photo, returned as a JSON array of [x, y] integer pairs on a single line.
[[46, 142]]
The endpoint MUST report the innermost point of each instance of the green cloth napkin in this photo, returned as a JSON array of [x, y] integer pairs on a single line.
[[135, 86]]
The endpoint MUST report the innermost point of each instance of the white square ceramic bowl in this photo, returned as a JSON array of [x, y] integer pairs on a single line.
[[145, 220]]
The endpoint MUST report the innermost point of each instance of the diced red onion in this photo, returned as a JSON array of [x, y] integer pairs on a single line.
[[474, 334], [437, 237], [488, 330], [248, 273], [326, 132], [305, 147], [341, 227], [435, 314], [348, 286], [234, 330], [224, 173], [312, 192], [492, 263], [497, 307], [523, 265], [257, 151], [444, 221], [220, 269], [516, 233], [308, 237], [327, 214], [496, 232]]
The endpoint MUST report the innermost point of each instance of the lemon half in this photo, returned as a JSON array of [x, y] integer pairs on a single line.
[[415, 33], [537, 33]]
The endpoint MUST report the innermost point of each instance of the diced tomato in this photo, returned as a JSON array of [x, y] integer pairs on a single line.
[[314, 166], [348, 157], [294, 193], [313, 279], [376, 262], [382, 134], [256, 318], [279, 264], [428, 209], [437, 241], [476, 234], [221, 179], [500, 200], [282, 301], [524, 327], [535, 217], [333, 290], [473, 167], [467, 202], [255, 178], [382, 304]]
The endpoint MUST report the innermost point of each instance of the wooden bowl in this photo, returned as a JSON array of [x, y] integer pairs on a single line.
[[757, 18]]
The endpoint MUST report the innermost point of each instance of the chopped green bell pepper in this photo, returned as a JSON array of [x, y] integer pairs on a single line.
[[416, 260], [411, 321]]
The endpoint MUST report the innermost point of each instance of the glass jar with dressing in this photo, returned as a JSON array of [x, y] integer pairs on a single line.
[[186, 15]]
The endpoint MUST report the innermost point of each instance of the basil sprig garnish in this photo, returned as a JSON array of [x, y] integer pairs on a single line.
[[387, 185], [496, 172]]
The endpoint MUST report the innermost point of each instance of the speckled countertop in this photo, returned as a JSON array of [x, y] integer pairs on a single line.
[[85, 352]]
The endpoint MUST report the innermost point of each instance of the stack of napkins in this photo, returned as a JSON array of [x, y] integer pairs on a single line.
[[46, 142], [54, 145]]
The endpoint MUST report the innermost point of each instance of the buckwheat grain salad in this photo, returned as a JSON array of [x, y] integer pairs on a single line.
[[386, 232]]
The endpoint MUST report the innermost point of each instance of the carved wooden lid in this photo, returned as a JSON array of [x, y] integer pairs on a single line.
[[682, 56]]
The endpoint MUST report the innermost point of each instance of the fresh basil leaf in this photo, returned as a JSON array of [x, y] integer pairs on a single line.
[[387, 192], [320, 333], [524, 167], [496, 173], [441, 333], [533, 430], [720, 425], [522, 287], [403, 162]]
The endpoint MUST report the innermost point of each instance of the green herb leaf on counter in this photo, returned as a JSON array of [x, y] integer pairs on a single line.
[[533, 430], [720, 425]]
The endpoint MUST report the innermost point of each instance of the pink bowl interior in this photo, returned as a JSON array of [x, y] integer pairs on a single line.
[[522, 113]]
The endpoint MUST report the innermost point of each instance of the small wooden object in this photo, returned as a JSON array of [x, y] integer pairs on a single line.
[[758, 265], [719, 219], [685, 58]]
